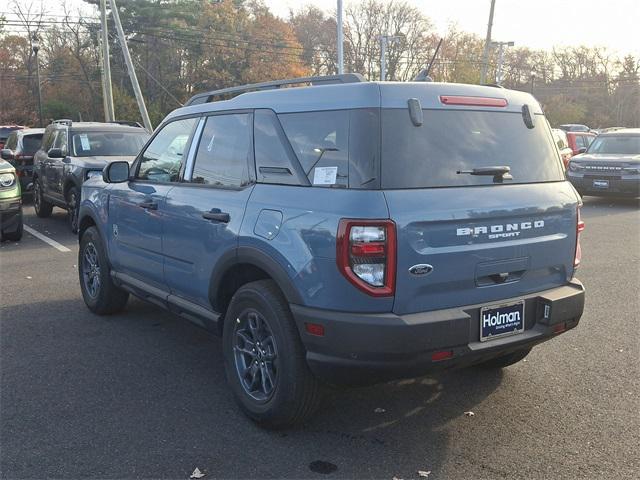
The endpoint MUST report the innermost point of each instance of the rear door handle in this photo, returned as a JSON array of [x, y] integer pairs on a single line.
[[148, 205], [216, 215]]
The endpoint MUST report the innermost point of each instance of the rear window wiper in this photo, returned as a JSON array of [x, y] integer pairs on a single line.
[[499, 173]]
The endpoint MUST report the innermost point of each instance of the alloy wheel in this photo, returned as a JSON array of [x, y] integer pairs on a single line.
[[91, 270], [256, 355]]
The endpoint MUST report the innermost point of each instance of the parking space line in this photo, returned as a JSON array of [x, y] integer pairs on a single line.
[[46, 239]]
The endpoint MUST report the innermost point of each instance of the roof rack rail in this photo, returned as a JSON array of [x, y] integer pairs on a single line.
[[494, 85], [63, 121], [127, 123], [207, 97]]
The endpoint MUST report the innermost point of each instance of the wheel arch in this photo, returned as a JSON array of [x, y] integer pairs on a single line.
[[244, 265]]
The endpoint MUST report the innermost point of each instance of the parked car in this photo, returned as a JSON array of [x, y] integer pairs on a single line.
[[560, 137], [70, 153], [19, 150], [10, 203], [610, 166], [574, 127], [5, 130], [580, 141], [345, 232]]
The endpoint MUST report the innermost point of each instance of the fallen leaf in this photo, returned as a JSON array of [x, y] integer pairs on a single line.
[[379, 410], [424, 473], [620, 350], [469, 414], [197, 473], [29, 278], [396, 478]]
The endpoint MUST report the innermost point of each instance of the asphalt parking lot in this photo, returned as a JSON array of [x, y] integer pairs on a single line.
[[143, 394]]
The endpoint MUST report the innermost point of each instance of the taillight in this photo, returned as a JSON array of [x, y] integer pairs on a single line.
[[366, 255], [579, 228]]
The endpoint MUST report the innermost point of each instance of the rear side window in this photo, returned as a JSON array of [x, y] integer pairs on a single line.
[[224, 151], [31, 143], [336, 148], [12, 141], [450, 141], [274, 160]]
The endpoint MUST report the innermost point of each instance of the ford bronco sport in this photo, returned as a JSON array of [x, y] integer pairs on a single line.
[[343, 232], [70, 153]]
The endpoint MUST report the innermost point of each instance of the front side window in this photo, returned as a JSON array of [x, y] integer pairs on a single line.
[[224, 151], [107, 144], [164, 157], [61, 141]]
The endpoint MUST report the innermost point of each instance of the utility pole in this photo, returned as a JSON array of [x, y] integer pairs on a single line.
[[132, 72], [487, 45], [385, 41], [340, 40], [107, 92], [35, 47], [501, 48]]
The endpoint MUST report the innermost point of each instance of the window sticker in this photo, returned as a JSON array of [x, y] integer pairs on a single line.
[[84, 141], [325, 175], [210, 146]]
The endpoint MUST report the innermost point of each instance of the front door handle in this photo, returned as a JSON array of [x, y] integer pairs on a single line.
[[148, 205], [216, 215]]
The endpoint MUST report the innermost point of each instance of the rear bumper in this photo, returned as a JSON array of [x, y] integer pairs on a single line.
[[617, 186], [368, 348]]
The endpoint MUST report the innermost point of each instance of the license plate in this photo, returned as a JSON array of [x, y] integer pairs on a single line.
[[601, 183], [501, 320]]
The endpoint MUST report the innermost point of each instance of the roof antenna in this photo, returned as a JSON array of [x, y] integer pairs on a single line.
[[423, 76]]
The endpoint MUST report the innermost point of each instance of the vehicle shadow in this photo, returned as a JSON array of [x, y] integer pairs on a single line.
[[148, 389], [604, 206]]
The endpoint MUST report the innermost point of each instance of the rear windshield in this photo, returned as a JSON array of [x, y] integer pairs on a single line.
[[89, 144], [621, 145], [31, 143], [450, 141]]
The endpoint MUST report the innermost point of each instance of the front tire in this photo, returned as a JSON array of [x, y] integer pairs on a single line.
[[42, 207], [265, 360], [73, 204], [16, 235], [506, 360], [99, 292]]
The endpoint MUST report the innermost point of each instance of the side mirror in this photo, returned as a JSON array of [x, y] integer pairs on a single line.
[[6, 154], [582, 150], [56, 153], [116, 172]]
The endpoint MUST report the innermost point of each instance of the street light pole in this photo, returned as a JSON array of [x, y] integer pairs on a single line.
[[340, 40], [501, 47], [35, 46], [385, 40], [487, 44], [533, 79]]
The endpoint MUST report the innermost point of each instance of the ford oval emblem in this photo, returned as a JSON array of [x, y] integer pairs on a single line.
[[421, 269]]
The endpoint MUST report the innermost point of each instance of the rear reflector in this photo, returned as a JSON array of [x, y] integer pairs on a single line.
[[559, 328], [473, 101], [314, 329], [580, 226], [442, 355]]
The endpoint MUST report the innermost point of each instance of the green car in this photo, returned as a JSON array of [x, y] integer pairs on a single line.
[[10, 203]]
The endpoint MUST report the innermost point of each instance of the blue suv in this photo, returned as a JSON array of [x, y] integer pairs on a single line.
[[342, 232]]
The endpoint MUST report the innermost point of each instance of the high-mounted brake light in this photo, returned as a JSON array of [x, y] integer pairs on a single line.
[[366, 255], [579, 229], [473, 101]]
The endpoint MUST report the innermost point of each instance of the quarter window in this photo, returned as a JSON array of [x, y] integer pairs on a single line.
[[224, 151], [163, 159]]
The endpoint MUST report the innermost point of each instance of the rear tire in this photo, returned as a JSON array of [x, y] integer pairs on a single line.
[[42, 207], [506, 360], [261, 340], [99, 292]]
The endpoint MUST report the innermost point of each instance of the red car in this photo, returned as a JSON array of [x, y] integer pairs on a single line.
[[5, 130], [579, 141]]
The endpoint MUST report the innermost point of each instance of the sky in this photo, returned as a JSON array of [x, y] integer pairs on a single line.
[[537, 24], [532, 23]]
